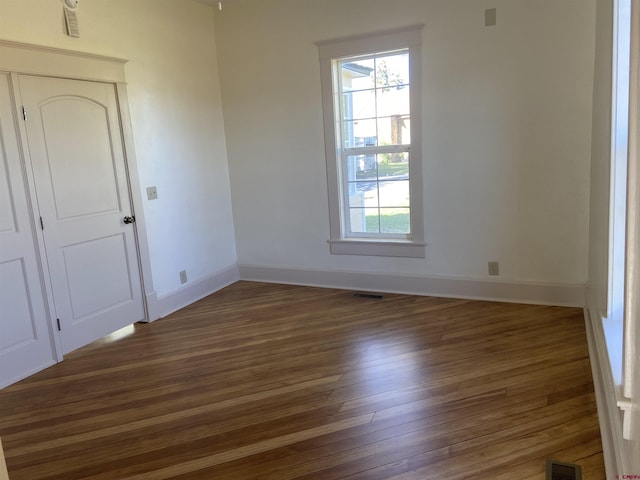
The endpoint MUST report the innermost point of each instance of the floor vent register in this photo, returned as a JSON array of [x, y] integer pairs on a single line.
[[563, 471]]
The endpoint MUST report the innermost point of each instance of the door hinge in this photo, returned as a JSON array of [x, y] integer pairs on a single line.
[[58, 323], [41, 223], [24, 113]]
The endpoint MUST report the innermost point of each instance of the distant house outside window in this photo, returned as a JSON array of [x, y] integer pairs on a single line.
[[371, 101]]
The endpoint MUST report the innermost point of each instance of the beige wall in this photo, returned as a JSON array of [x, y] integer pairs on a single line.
[[507, 125], [507, 133], [176, 114]]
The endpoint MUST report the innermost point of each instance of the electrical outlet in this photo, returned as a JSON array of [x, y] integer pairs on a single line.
[[152, 193], [490, 17], [494, 268], [183, 277]]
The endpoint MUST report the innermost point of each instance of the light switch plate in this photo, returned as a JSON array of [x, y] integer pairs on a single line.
[[152, 193]]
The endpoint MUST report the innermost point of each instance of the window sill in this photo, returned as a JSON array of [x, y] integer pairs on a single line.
[[378, 248]]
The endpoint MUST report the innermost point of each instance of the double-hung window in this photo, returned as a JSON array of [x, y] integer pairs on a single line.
[[371, 100]]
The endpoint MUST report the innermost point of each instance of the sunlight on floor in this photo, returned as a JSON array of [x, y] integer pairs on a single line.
[[119, 334]]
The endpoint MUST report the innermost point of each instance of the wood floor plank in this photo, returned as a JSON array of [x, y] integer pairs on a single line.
[[279, 382]]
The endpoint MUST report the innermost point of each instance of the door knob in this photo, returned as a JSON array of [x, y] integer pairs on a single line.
[[129, 220]]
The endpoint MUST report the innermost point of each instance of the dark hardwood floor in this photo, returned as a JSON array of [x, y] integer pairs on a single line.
[[263, 381]]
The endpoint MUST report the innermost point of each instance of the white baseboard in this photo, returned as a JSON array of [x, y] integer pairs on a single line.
[[191, 292], [521, 292], [609, 415]]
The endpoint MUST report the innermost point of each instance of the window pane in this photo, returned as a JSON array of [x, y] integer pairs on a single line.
[[361, 167], [360, 104], [392, 70], [359, 133], [363, 194], [357, 74], [368, 168], [394, 130], [395, 220], [364, 220], [393, 101], [394, 193], [393, 165], [356, 197]]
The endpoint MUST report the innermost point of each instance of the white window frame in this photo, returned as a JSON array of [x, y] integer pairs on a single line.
[[413, 245]]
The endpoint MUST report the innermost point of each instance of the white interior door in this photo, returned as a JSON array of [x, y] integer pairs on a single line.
[[26, 341], [75, 147]]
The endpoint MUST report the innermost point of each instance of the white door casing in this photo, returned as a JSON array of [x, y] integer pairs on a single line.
[[75, 149], [26, 341]]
